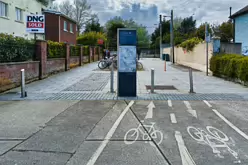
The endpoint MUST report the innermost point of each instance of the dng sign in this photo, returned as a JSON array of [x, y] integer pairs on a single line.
[[35, 24]]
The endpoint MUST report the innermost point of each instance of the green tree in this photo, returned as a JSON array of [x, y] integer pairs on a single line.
[[226, 31], [188, 25], [200, 31], [156, 34], [93, 25]]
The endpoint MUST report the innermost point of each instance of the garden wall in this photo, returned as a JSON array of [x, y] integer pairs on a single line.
[[54, 65], [10, 75], [195, 59], [74, 61]]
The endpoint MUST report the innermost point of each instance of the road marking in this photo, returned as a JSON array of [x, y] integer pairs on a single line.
[[190, 110], [208, 104], [184, 153], [231, 124], [169, 103], [150, 110], [99, 150], [173, 118]]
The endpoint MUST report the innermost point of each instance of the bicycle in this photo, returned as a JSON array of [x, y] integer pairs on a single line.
[[154, 134], [216, 139], [107, 62]]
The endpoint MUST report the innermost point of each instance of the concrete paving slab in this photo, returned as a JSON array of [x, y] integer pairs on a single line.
[[7, 145], [20, 119], [84, 153], [56, 139], [135, 154], [37, 158], [102, 128]]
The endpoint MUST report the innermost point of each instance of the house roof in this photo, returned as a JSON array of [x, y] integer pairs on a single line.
[[59, 13], [240, 12]]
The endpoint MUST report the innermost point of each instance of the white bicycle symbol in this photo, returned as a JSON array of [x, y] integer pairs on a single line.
[[133, 134], [216, 139]]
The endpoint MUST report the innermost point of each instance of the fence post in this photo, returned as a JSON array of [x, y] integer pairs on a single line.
[[81, 56], [94, 53], [67, 57], [99, 53], [41, 55], [89, 60]]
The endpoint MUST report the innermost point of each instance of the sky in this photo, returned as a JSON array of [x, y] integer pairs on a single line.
[[212, 11]]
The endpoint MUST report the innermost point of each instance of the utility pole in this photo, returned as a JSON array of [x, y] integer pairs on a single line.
[[172, 38], [207, 40], [160, 24]]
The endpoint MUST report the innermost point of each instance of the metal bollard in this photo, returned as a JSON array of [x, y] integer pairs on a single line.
[[191, 90], [23, 93], [152, 80], [112, 79]]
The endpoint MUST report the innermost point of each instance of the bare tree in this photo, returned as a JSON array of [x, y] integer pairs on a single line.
[[79, 10]]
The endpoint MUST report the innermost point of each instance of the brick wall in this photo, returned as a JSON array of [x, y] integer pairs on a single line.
[[55, 65], [10, 75], [74, 61]]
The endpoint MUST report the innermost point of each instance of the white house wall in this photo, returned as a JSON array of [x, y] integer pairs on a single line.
[[241, 32], [11, 26]]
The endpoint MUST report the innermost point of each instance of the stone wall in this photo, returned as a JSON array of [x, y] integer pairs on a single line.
[[54, 65]]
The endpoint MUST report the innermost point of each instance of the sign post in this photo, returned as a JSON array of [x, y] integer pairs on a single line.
[[126, 48]]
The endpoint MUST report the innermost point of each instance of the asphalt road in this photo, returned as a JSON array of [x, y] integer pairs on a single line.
[[130, 133]]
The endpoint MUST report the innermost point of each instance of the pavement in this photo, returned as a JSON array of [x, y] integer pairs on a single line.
[[72, 119], [124, 132]]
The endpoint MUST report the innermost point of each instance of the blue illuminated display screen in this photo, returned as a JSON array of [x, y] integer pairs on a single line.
[[127, 37]]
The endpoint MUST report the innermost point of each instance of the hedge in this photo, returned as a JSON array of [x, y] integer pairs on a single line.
[[74, 50], [86, 51], [16, 49], [56, 49], [190, 44], [230, 66]]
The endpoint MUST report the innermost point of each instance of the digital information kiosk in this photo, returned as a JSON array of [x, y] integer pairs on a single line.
[[126, 47]]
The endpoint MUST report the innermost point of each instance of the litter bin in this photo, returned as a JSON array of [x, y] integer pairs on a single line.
[[167, 57], [163, 57]]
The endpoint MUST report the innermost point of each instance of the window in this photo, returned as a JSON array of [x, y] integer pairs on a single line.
[[3, 9], [65, 26], [71, 28], [18, 14]]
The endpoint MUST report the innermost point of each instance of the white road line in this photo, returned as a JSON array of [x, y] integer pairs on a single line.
[[187, 104], [169, 103], [184, 153], [190, 110], [108, 136], [173, 118], [208, 104], [231, 124]]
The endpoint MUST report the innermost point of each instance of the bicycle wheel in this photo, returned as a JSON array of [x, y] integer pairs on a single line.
[[131, 136], [158, 137], [195, 134], [139, 66], [217, 133], [114, 64], [102, 64]]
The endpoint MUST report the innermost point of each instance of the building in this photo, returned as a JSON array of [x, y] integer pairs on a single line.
[[13, 16], [240, 19], [59, 27]]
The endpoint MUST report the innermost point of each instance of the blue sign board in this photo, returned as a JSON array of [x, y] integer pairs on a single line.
[[127, 37], [127, 77]]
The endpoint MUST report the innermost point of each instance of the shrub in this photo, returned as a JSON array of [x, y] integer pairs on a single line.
[[15, 49], [231, 66], [74, 50], [190, 44], [86, 51], [56, 50], [91, 38]]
